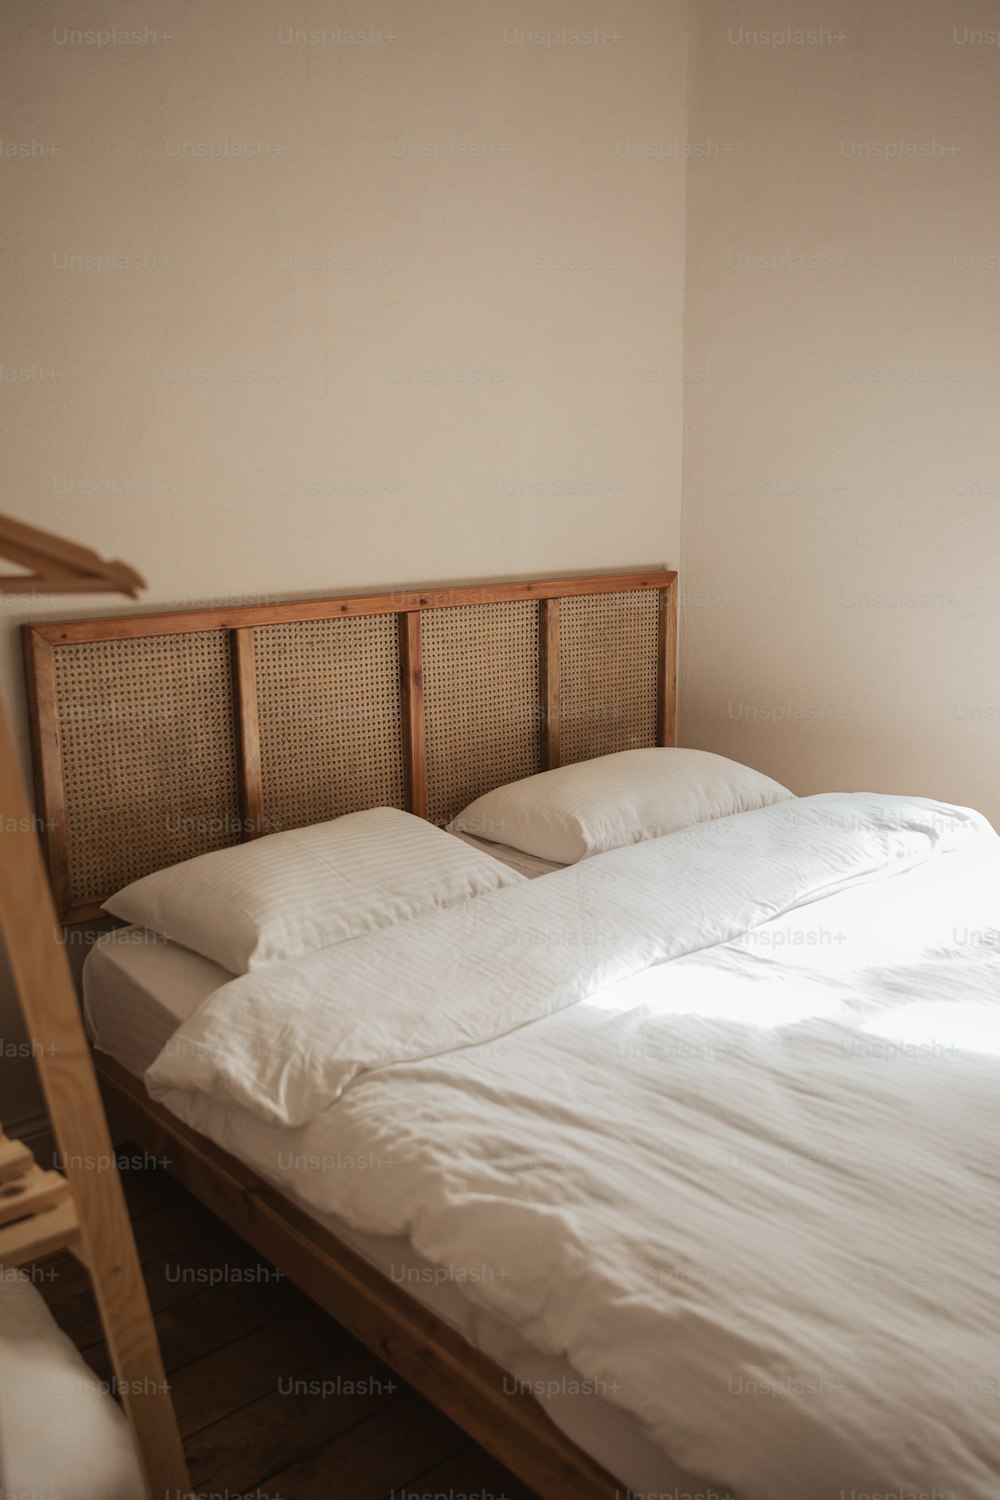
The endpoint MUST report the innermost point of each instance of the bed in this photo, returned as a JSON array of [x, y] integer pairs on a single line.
[[677, 1111]]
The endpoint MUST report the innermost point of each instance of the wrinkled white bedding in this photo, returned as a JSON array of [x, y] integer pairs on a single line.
[[720, 1112]]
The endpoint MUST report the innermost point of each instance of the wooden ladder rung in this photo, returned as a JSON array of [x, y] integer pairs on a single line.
[[31, 1193], [15, 1158], [28, 1239], [37, 1212]]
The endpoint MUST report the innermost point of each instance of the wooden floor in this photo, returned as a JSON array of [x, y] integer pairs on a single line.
[[272, 1396]]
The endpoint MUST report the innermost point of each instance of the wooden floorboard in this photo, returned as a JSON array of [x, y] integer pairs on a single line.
[[230, 1377], [272, 1396], [451, 1478], [297, 1415], [383, 1453]]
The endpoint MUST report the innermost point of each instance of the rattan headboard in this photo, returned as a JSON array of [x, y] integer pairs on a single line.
[[157, 737]]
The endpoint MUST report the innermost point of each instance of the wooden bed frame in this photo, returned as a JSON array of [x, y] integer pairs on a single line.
[[141, 723]]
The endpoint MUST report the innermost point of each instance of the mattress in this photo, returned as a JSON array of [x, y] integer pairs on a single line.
[[138, 988]]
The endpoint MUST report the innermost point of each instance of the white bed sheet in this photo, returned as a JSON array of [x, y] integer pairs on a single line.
[[531, 865], [138, 988]]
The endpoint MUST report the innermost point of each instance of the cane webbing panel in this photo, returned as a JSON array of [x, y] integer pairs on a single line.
[[149, 755], [330, 719], [481, 701], [607, 655]]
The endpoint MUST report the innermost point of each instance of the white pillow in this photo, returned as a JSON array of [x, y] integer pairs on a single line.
[[572, 812], [284, 895]]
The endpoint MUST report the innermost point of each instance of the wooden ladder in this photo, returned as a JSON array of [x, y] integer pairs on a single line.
[[83, 1211]]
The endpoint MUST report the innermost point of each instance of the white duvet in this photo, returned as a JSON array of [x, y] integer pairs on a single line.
[[713, 1117]]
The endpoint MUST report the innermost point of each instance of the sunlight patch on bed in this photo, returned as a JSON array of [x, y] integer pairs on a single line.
[[940, 1027], [692, 989]]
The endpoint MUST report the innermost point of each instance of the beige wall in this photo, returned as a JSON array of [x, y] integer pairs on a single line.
[[430, 331], [842, 443]]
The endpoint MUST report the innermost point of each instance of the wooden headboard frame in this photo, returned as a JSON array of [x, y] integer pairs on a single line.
[[159, 736]]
